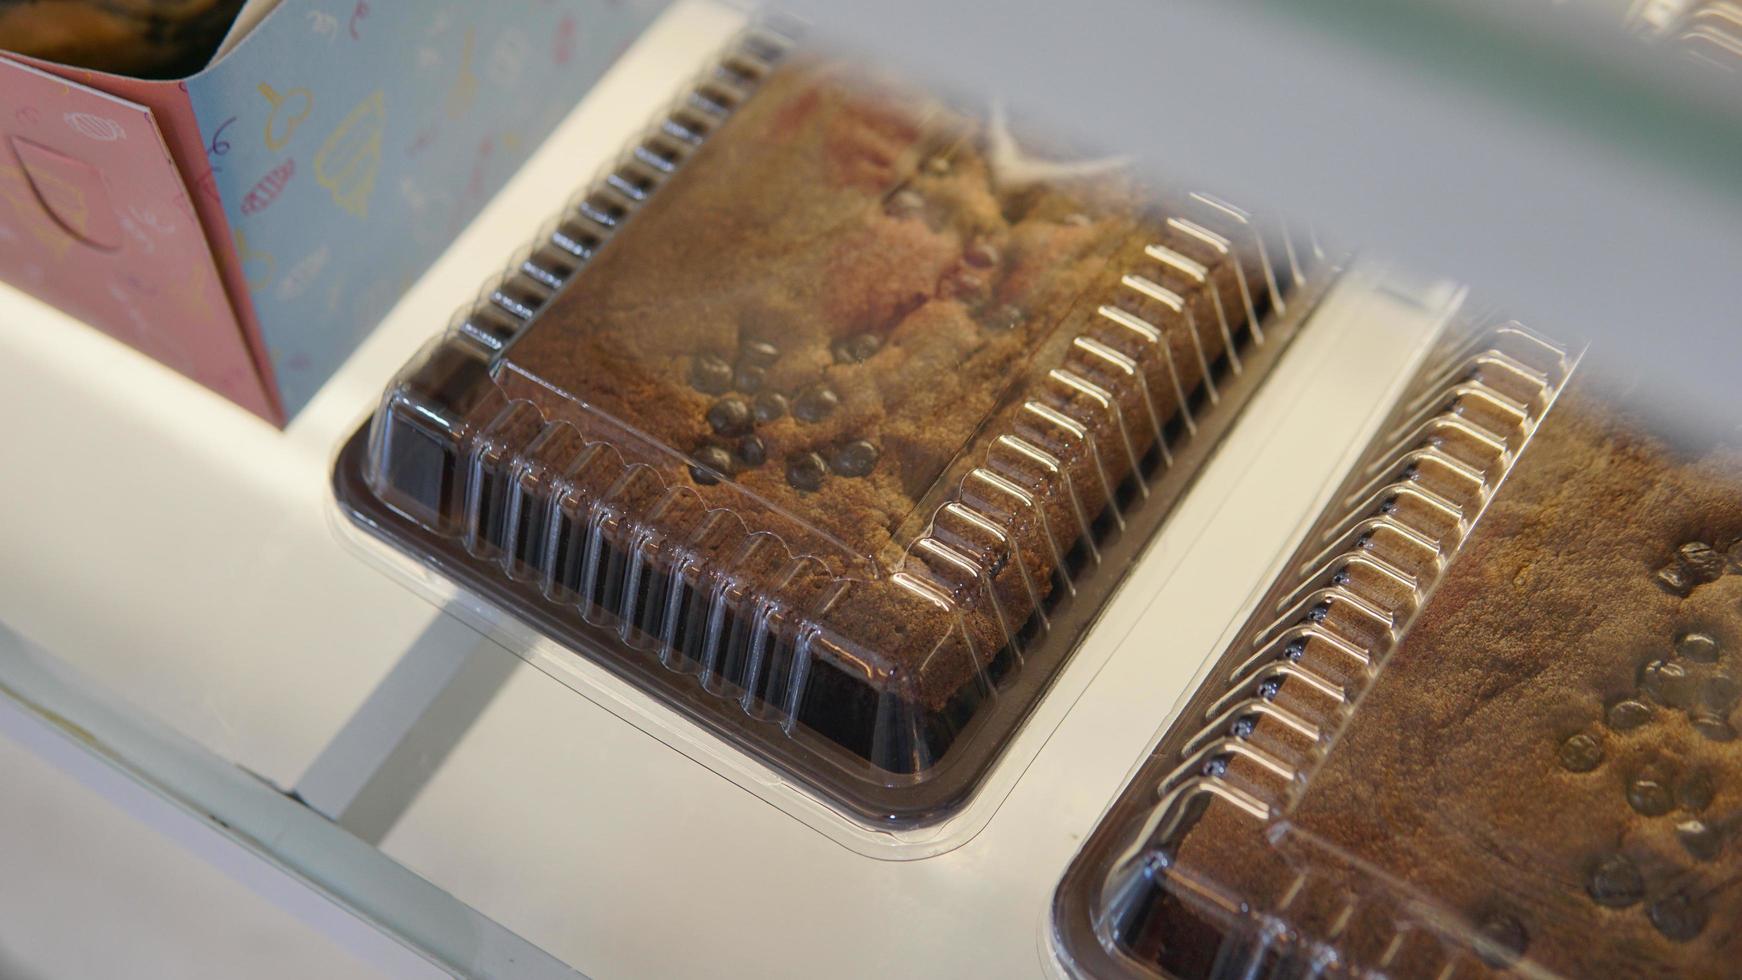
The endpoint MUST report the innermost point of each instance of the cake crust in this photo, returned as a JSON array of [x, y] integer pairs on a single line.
[[825, 352]]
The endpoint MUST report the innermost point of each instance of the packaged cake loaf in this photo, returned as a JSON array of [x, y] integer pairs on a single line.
[[832, 415], [1483, 725]]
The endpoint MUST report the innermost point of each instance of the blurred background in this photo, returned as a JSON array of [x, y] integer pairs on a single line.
[[86, 890]]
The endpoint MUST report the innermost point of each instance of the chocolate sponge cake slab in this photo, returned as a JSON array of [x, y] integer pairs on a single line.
[[1490, 733], [832, 418]]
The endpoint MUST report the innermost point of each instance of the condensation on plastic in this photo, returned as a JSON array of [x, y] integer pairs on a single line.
[[1267, 711], [748, 620]]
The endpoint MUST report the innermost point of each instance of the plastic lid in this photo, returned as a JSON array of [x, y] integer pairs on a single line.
[[834, 414], [1483, 724]]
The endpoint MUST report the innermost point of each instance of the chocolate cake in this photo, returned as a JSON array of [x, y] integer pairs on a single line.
[[830, 400], [1533, 772]]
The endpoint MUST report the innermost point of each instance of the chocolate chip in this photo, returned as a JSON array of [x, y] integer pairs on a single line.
[[806, 471], [1614, 882], [1002, 318], [714, 459], [1669, 682], [1712, 726], [768, 406], [711, 374], [1581, 753], [1506, 939], [1679, 915], [760, 353], [964, 285], [1700, 558], [1629, 714], [981, 255], [864, 345], [1699, 839], [729, 416], [1694, 792], [857, 348], [1699, 647], [1719, 694], [748, 378], [1675, 580], [856, 458], [904, 203], [1649, 797], [815, 403], [752, 451]]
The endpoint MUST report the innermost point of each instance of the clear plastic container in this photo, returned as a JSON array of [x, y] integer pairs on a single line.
[[830, 418], [1482, 724]]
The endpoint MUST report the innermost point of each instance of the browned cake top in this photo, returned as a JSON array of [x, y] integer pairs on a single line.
[[1550, 753], [823, 306]]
